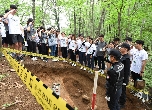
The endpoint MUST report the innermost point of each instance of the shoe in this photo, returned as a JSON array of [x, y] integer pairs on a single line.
[[102, 71], [84, 69], [122, 106], [35, 58], [81, 68], [55, 59], [64, 61], [74, 64], [3, 55]]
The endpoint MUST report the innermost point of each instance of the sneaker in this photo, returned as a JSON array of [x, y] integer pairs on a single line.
[[74, 64], [102, 71], [35, 58], [55, 59], [64, 61], [122, 106], [84, 69], [3, 55], [81, 68]]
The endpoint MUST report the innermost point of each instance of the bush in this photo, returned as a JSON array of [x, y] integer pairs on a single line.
[[148, 72]]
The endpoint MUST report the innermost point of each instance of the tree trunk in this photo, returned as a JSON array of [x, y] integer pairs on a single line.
[[119, 24], [92, 17], [102, 17], [33, 9], [79, 29], [74, 16]]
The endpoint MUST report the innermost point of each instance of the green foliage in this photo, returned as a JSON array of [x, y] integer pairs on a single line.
[[148, 72]]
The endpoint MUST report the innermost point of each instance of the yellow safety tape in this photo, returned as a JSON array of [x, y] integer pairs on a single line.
[[69, 61], [44, 95]]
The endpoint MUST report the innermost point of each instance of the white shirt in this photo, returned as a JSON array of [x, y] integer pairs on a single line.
[[138, 56], [79, 43], [2, 29], [84, 48], [14, 24], [91, 48], [63, 42], [72, 45]]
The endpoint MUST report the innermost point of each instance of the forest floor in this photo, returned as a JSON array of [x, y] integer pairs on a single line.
[[74, 84]]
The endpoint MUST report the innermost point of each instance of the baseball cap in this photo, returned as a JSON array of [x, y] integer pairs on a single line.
[[125, 45], [116, 53], [128, 38], [13, 6]]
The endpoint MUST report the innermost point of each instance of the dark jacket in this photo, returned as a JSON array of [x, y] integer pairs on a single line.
[[115, 76], [125, 59]]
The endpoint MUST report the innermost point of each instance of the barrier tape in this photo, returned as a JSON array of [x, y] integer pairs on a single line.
[[69, 61], [44, 95]]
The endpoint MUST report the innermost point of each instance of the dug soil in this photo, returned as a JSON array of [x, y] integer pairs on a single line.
[[74, 84]]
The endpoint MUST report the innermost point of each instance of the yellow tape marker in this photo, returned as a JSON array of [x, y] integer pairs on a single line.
[[78, 64], [44, 95]]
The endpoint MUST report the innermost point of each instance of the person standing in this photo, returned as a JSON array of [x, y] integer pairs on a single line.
[[101, 53], [72, 48], [64, 45], [114, 80], [31, 37], [52, 42], [15, 37], [139, 58], [125, 59], [43, 41], [90, 54]]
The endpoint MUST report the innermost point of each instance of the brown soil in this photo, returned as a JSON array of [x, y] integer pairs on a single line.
[[74, 84]]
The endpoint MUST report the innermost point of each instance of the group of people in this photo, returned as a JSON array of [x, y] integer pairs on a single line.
[[116, 59]]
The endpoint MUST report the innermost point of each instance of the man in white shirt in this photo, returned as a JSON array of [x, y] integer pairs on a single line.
[[139, 58], [15, 38]]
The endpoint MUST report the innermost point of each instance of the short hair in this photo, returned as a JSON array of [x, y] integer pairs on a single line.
[[1, 16], [139, 42], [13, 6], [116, 39], [101, 35]]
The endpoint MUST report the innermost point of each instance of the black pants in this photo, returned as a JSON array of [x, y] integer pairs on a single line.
[[101, 60], [43, 48], [64, 52], [122, 99], [56, 51], [135, 76], [82, 57], [114, 97], [31, 46], [72, 55], [95, 60]]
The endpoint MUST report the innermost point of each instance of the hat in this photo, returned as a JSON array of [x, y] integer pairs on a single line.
[[13, 6], [125, 45], [116, 53], [128, 38]]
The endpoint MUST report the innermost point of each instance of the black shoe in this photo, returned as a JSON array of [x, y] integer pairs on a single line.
[[122, 106]]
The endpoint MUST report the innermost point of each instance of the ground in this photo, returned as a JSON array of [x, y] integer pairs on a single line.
[[74, 84]]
